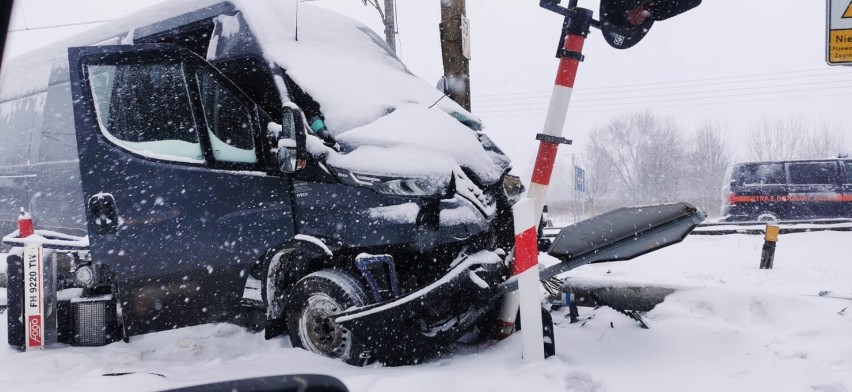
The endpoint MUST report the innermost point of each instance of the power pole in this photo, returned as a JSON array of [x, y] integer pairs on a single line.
[[390, 24], [455, 47]]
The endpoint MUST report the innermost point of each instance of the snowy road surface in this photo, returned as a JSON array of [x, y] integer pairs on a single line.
[[740, 329]]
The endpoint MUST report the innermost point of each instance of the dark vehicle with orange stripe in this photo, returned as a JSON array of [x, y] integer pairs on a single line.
[[788, 190]]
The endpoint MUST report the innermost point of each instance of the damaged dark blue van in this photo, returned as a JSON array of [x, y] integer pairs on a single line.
[[198, 161], [209, 160]]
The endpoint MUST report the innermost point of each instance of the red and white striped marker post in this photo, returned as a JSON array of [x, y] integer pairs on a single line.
[[525, 268], [33, 286], [575, 29]]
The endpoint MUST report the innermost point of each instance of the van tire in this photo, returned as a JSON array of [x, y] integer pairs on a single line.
[[313, 299], [280, 271], [767, 217]]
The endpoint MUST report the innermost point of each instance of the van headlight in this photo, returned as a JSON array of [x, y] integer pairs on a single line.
[[85, 276], [513, 188], [395, 186]]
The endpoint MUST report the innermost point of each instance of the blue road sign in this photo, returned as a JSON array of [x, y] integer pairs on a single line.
[[579, 179]]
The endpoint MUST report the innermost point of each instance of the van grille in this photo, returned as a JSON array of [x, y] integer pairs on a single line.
[[94, 322]]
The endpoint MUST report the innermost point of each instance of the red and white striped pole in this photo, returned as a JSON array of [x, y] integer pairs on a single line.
[[575, 29], [570, 56]]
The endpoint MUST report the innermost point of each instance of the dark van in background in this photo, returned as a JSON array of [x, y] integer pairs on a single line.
[[788, 190]]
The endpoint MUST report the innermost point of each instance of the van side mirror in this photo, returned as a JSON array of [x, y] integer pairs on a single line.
[[625, 22], [292, 153]]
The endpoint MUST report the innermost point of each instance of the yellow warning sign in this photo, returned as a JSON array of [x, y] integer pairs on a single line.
[[839, 32], [840, 46]]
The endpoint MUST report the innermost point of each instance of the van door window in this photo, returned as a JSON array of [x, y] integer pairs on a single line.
[[145, 108], [763, 174], [229, 121], [811, 173]]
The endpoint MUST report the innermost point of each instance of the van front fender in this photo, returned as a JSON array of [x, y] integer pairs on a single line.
[[281, 269]]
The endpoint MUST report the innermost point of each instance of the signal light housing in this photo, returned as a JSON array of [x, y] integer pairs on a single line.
[[625, 22]]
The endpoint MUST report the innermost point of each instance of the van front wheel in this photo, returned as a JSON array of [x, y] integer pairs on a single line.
[[767, 217], [312, 303]]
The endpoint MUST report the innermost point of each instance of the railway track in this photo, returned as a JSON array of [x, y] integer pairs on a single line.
[[753, 228]]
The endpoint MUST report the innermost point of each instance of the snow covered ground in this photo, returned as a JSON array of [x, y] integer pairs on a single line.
[[738, 329]]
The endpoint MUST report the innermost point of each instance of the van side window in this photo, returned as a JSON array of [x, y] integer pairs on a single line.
[[848, 172], [229, 121], [145, 108], [762, 174], [813, 173]]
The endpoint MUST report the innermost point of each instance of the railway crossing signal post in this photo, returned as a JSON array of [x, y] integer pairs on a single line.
[[623, 24]]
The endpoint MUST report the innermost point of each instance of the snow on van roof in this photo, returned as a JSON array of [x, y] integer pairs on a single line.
[[346, 67], [28, 73], [342, 64]]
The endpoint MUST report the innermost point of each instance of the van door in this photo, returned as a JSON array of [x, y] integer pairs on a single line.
[[178, 199], [814, 190], [758, 192]]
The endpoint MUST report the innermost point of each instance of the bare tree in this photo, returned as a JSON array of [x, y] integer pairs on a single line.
[[645, 153], [710, 156], [777, 138], [826, 142], [613, 146], [388, 20], [662, 153], [600, 177]]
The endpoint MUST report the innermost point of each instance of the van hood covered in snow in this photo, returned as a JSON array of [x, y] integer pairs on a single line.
[[414, 140], [387, 120], [342, 64]]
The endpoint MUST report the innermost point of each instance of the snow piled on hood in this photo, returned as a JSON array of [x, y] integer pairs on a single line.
[[412, 141], [342, 64]]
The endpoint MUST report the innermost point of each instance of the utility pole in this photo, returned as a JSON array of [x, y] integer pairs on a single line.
[[455, 47], [390, 24]]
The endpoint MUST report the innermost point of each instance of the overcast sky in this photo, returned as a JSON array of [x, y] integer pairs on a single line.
[[730, 61]]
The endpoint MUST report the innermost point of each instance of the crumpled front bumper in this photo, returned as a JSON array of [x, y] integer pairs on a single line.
[[420, 324]]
